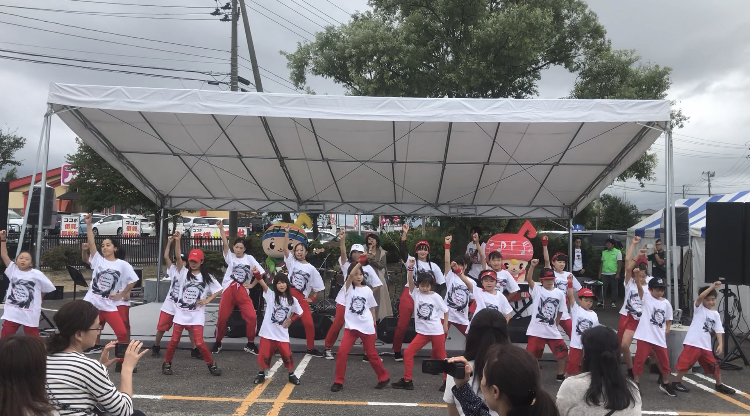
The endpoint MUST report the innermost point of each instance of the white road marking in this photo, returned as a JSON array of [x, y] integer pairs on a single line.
[[147, 396], [301, 366], [392, 404], [273, 369], [703, 376]]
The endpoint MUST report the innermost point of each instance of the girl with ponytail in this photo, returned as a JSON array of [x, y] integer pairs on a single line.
[[601, 387]]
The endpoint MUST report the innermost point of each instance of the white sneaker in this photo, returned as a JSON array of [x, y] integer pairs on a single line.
[[614, 305], [329, 355]]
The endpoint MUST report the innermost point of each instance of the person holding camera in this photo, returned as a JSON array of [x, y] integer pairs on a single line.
[[78, 385], [511, 385]]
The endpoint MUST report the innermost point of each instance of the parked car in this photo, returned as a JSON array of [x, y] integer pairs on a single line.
[[323, 237], [15, 222], [82, 229], [185, 224], [147, 228], [112, 224]]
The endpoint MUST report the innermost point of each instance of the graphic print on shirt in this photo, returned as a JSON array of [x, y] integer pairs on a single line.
[[365, 278], [658, 318], [424, 311], [458, 298], [299, 280], [21, 293], [279, 314], [105, 282], [547, 311], [562, 285], [358, 305], [491, 306], [426, 271], [634, 305], [174, 291], [241, 273], [709, 325], [582, 325], [191, 293]]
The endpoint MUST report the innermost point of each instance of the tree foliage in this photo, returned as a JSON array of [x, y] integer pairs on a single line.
[[616, 213], [10, 175], [10, 143], [450, 48]]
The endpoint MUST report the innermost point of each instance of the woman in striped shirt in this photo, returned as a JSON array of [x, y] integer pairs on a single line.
[[76, 384]]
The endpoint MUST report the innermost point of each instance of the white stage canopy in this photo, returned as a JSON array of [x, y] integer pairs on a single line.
[[207, 150]]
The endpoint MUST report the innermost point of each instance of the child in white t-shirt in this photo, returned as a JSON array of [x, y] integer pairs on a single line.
[[651, 334], [281, 309], [697, 344], [196, 283], [359, 322], [430, 323], [488, 296], [558, 262], [546, 311], [457, 294], [23, 300], [583, 318], [632, 307], [505, 280]]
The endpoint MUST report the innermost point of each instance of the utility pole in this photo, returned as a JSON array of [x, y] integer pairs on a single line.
[[709, 175], [683, 191], [233, 215], [251, 48]]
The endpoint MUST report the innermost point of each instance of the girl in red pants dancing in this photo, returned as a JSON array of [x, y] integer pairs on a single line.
[[190, 309], [429, 312], [305, 282], [281, 309], [359, 321]]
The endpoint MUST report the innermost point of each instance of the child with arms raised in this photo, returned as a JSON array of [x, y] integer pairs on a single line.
[[559, 260], [583, 318], [546, 312]]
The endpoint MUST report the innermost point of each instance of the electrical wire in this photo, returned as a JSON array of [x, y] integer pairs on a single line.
[[336, 5], [164, 16], [282, 17], [315, 14], [306, 17], [280, 24], [142, 5]]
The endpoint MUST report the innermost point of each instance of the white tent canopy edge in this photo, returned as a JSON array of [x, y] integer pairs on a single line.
[[195, 150]]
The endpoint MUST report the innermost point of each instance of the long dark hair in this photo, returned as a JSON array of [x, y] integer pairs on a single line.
[[349, 271], [74, 316], [23, 371], [281, 277], [487, 329], [205, 274], [515, 373], [374, 237], [601, 353]]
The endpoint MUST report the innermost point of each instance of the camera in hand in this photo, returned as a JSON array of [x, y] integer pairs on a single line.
[[435, 367], [120, 349]]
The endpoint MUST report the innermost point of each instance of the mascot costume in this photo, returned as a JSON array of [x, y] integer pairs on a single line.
[[517, 252], [273, 236]]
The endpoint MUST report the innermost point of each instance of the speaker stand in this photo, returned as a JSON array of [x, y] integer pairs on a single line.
[[736, 352]]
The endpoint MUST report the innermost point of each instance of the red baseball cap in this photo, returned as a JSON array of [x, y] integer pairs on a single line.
[[547, 274], [195, 255], [422, 243], [586, 293], [560, 256], [487, 273]]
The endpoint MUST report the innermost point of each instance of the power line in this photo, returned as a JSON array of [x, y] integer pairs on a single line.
[[306, 17], [164, 16], [142, 5], [280, 24], [282, 17], [337, 6], [315, 14]]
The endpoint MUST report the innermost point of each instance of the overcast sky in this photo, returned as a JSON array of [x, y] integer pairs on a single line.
[[706, 43]]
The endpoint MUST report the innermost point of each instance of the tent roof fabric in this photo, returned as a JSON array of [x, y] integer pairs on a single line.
[[649, 228], [198, 150]]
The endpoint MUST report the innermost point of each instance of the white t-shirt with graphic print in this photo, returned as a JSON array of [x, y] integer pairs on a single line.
[[425, 267], [303, 276], [544, 309], [23, 300], [370, 279], [457, 298], [505, 281], [486, 300], [653, 322], [428, 311], [174, 290], [582, 320], [704, 322], [358, 302], [561, 283], [192, 289], [633, 304], [107, 277], [239, 269], [276, 314]]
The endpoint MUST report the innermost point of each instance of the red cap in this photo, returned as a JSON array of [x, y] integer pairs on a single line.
[[641, 260], [586, 293], [422, 243], [195, 255], [560, 256], [547, 274], [487, 273]]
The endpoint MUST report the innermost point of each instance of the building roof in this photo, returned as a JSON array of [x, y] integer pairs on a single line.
[[26, 180]]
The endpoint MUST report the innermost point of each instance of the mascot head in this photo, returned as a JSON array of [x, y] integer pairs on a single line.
[[275, 234], [516, 249]]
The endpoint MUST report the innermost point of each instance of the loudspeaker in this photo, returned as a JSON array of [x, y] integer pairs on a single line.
[[517, 329], [4, 196], [725, 241], [387, 328], [236, 325], [322, 325], [49, 206], [56, 294], [681, 224]]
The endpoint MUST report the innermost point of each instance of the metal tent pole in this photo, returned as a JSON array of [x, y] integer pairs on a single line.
[[668, 209], [673, 261], [43, 183], [31, 188], [159, 254], [570, 245]]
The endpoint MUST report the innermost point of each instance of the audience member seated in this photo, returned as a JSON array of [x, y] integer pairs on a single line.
[[601, 387], [78, 385], [23, 363], [511, 385], [487, 329]]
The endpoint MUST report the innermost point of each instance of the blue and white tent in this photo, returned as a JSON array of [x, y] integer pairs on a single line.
[[648, 230]]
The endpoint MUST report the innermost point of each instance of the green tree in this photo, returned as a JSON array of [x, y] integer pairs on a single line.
[[453, 48], [10, 175], [10, 143], [617, 213]]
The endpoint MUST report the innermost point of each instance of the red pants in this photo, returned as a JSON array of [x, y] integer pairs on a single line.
[[267, 349], [236, 295], [460, 327], [691, 354], [438, 351], [10, 328], [405, 313], [338, 323], [124, 312], [535, 346], [165, 321], [573, 366], [306, 317], [567, 326], [368, 344], [115, 322], [197, 331], [621, 328], [643, 349]]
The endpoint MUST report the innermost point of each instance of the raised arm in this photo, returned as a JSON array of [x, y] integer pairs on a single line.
[[348, 283], [545, 252], [530, 274], [223, 235], [167, 260], [258, 279], [285, 241], [90, 235], [4, 247], [640, 290], [659, 260], [571, 292], [178, 252], [342, 247], [85, 253], [460, 273], [410, 274], [629, 261], [447, 256], [402, 243], [717, 284]]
